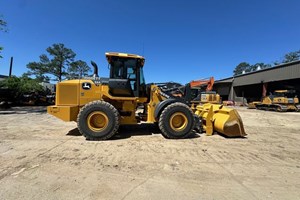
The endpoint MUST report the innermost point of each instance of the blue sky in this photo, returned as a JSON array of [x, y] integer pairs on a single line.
[[182, 40]]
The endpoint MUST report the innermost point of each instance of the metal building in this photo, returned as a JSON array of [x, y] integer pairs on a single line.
[[3, 77], [257, 84]]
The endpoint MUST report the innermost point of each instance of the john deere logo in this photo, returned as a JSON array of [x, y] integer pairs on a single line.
[[86, 86]]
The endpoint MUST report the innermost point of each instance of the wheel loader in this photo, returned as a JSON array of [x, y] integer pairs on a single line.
[[100, 105], [280, 101]]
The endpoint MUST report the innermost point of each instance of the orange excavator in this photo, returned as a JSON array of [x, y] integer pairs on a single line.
[[196, 91], [200, 83], [208, 96]]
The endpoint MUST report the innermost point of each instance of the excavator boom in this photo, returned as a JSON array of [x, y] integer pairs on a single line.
[[198, 83]]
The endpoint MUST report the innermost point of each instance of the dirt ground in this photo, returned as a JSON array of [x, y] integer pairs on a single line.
[[42, 157]]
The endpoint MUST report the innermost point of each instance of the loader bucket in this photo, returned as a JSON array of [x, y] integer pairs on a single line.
[[221, 119]]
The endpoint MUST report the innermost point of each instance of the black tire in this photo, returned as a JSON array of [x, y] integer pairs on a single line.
[[278, 109], [176, 112], [98, 120]]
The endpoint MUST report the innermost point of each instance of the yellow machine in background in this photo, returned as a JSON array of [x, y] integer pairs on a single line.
[[280, 100], [210, 97], [202, 91], [100, 105]]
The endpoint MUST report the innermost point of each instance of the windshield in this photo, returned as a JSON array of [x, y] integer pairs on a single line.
[[284, 94], [124, 68]]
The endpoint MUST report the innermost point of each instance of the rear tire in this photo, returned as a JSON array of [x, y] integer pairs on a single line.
[[98, 120], [176, 121]]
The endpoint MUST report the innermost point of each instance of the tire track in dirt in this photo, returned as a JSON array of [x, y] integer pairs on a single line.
[[234, 178]]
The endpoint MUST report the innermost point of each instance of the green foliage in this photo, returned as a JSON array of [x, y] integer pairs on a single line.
[[21, 85], [258, 66], [61, 65], [291, 56], [1, 48], [246, 67], [3, 26], [60, 59], [243, 66], [77, 69]]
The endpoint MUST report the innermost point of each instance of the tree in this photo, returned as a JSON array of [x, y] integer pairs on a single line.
[[243, 66], [291, 56], [257, 66], [56, 66], [1, 48], [77, 69], [246, 67], [21, 85], [3, 26], [276, 63]]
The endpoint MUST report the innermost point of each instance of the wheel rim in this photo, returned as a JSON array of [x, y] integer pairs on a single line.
[[97, 121], [178, 121]]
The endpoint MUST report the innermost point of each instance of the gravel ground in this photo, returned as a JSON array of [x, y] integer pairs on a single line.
[[42, 157]]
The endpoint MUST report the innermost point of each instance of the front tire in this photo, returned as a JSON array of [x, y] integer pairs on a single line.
[[98, 120], [176, 121]]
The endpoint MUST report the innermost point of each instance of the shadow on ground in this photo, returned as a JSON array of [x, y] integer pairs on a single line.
[[24, 110], [128, 131]]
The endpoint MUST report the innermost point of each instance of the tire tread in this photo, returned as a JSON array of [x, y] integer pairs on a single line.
[[94, 104], [162, 121]]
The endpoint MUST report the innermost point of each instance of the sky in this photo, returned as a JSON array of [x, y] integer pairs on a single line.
[[182, 40]]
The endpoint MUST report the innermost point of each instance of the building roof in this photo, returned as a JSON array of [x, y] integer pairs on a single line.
[[271, 68], [225, 80], [3, 76], [280, 72]]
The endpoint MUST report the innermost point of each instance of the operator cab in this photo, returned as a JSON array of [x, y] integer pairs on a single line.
[[126, 75], [284, 93]]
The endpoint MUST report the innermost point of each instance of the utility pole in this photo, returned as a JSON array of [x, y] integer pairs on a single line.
[[10, 66]]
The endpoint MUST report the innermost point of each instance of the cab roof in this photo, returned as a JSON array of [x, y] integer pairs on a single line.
[[126, 55], [285, 91]]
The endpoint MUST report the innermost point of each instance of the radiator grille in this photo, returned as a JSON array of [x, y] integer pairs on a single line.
[[67, 94]]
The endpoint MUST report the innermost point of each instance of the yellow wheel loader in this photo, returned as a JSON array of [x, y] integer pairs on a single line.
[[100, 105], [280, 101]]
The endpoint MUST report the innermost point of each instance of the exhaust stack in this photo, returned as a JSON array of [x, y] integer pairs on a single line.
[[95, 69]]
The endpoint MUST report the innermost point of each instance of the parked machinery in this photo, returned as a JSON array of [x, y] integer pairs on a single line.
[[280, 100], [6, 98], [208, 82], [196, 91], [100, 105], [203, 90]]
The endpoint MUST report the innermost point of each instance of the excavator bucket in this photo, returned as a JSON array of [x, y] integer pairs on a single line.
[[221, 119]]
